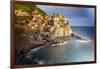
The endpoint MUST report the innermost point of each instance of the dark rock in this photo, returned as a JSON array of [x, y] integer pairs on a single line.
[[51, 23]]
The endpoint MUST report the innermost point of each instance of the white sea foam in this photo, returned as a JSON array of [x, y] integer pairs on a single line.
[[34, 50], [65, 42], [83, 41], [40, 61]]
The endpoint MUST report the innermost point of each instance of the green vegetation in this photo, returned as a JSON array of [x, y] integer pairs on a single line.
[[23, 20], [29, 7], [25, 7], [33, 25], [41, 12]]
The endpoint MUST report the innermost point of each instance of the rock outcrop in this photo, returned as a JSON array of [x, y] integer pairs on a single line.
[[61, 26]]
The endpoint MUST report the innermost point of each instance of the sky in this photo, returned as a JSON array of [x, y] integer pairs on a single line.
[[76, 16]]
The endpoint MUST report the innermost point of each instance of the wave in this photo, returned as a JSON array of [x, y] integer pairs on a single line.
[[80, 38], [83, 41], [59, 44]]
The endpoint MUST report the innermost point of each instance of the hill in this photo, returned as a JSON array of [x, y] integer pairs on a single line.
[[34, 27]]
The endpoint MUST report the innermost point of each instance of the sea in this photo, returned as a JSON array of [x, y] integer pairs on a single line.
[[75, 50]]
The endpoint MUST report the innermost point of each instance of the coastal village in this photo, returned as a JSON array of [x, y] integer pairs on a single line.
[[37, 28]]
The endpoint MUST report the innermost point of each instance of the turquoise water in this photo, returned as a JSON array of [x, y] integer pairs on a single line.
[[73, 51]]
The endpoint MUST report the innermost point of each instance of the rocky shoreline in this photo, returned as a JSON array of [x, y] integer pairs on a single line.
[[34, 29]]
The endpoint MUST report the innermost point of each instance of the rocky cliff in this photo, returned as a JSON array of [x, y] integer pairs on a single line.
[[34, 27], [61, 26]]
